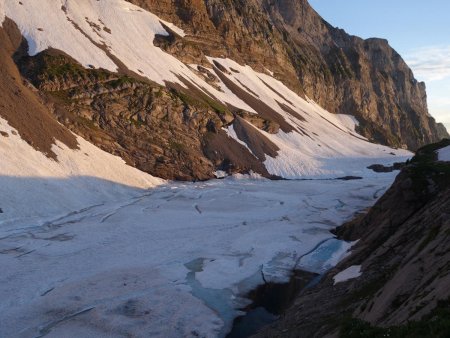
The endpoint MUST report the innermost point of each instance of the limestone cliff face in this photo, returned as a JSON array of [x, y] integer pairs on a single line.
[[343, 73], [366, 78]]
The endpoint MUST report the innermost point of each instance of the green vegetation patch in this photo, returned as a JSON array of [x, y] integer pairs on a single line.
[[52, 67], [436, 325], [424, 166], [199, 100]]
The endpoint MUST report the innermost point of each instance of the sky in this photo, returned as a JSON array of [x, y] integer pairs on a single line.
[[418, 30]]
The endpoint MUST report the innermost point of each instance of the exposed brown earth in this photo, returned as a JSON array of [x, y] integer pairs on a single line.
[[257, 142], [20, 106]]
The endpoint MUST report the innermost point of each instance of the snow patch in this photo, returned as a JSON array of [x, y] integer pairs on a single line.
[[444, 154], [250, 176], [348, 121], [220, 174], [319, 137], [55, 30], [174, 28], [37, 186], [2, 13], [348, 274], [269, 72]]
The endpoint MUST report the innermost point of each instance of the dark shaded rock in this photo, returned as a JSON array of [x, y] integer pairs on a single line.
[[350, 178], [257, 142], [230, 156], [379, 168]]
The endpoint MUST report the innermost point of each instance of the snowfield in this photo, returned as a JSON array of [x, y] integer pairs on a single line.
[[173, 261], [92, 247]]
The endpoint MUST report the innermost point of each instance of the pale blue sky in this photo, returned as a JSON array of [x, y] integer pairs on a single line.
[[419, 30]]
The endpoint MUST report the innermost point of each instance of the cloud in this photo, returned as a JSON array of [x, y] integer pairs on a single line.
[[430, 63], [441, 101]]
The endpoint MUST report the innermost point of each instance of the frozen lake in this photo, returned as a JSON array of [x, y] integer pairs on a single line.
[[172, 261]]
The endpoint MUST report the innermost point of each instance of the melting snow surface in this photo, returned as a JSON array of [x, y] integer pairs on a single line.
[[444, 154], [101, 255], [348, 274]]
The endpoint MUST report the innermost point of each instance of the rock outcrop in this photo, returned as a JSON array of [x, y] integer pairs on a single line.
[[171, 132]]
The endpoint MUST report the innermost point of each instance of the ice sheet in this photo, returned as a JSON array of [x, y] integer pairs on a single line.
[[444, 154], [130, 265]]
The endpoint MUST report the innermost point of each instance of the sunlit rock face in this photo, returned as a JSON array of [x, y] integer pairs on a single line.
[[343, 73]]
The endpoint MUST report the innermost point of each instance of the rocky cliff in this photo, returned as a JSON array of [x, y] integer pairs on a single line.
[[183, 105], [343, 73], [403, 251]]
